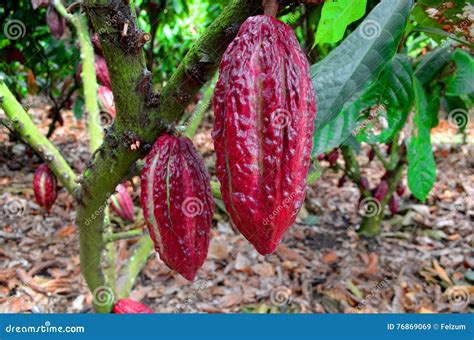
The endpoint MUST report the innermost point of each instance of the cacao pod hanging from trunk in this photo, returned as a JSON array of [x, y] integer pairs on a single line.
[[264, 106], [102, 71], [177, 203], [122, 203], [45, 187], [129, 306]]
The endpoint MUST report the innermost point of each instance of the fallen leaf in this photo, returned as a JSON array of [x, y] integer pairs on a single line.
[[441, 272]]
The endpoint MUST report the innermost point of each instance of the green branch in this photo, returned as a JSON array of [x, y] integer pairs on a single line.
[[88, 75], [124, 235], [28, 131], [137, 261]]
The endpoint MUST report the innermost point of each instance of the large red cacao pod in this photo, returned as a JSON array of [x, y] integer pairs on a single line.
[[129, 306], [45, 187], [264, 106], [122, 203], [177, 204]]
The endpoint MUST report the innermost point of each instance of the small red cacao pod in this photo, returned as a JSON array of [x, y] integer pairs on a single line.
[[45, 187], [55, 21], [177, 203], [96, 42], [129, 306], [371, 155], [341, 181], [364, 183], [393, 205], [333, 157], [400, 188], [264, 106], [321, 157], [102, 71], [106, 99], [122, 203], [381, 190]]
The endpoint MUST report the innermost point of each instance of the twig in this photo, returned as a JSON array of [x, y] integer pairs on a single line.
[[125, 235]]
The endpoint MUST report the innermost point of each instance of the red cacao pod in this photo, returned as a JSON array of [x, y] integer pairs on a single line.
[[102, 71], [96, 42], [122, 203], [45, 187], [39, 3], [393, 205], [106, 99], [364, 183], [264, 106], [341, 181], [381, 190], [371, 155], [400, 188], [55, 21], [321, 157], [333, 157], [177, 203], [129, 306]]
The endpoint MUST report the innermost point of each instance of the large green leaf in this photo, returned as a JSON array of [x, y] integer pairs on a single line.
[[336, 16], [463, 80], [431, 64], [340, 77], [393, 89], [421, 165]]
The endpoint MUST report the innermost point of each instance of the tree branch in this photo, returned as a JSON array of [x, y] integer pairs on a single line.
[[28, 131]]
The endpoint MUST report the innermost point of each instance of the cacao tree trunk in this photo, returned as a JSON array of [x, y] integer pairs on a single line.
[[371, 225]]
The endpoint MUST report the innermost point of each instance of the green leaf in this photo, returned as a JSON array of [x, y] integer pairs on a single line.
[[431, 64], [339, 129], [335, 18], [434, 103], [421, 164], [340, 78], [463, 80]]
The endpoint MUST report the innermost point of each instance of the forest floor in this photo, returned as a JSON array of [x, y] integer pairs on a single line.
[[423, 262]]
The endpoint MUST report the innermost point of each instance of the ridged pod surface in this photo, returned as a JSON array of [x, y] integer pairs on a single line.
[[129, 306], [122, 203], [264, 107], [45, 186], [177, 204]]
